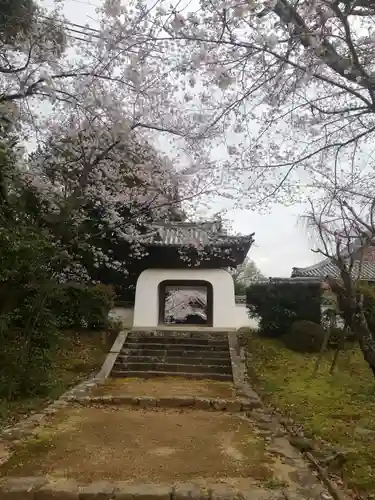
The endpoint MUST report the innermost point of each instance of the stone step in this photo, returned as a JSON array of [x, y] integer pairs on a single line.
[[29, 487], [177, 340], [119, 373], [180, 334], [178, 360], [201, 403], [177, 351], [173, 367], [185, 347]]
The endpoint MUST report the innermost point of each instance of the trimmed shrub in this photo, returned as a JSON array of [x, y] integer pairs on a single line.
[[277, 305], [304, 336]]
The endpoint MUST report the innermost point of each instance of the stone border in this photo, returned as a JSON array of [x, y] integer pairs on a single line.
[[231, 405], [40, 488], [25, 427], [112, 356], [237, 358]]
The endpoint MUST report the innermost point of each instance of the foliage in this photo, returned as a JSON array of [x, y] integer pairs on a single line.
[[15, 18], [346, 239], [338, 409], [278, 305], [245, 273], [33, 302], [304, 336], [100, 186], [34, 307], [335, 336], [28, 328], [301, 64], [369, 305], [82, 306], [305, 78], [76, 356]]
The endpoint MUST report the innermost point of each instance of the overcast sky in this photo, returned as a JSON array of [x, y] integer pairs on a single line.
[[281, 241]]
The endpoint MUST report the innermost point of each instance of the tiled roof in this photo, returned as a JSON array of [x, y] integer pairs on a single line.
[[192, 234], [327, 268]]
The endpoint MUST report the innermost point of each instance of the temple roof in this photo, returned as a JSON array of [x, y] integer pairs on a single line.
[[362, 255], [204, 234], [327, 268]]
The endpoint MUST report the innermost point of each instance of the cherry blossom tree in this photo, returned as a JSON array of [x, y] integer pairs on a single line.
[[245, 274], [344, 235], [97, 181], [30, 48], [264, 99], [283, 89]]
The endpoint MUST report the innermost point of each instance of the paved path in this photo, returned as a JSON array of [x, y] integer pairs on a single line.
[[159, 449]]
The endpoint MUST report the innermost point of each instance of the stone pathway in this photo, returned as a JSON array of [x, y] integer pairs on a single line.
[[156, 440], [166, 386]]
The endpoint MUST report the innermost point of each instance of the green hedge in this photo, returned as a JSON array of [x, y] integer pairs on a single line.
[[277, 305]]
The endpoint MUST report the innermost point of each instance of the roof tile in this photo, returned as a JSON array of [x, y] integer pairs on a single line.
[[328, 268], [189, 234]]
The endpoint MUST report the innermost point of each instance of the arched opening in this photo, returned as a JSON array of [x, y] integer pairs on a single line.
[[185, 302]]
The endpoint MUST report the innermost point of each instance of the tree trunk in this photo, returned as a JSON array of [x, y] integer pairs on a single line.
[[365, 338], [322, 349], [340, 347], [355, 317]]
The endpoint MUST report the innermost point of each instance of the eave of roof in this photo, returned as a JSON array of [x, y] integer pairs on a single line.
[[183, 234], [327, 268]]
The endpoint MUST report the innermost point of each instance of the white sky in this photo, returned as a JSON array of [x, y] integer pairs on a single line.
[[281, 242]]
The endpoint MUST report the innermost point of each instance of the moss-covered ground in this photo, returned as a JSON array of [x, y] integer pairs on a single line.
[[336, 409]]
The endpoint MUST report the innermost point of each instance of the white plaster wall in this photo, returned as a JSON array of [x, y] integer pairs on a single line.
[[242, 318], [146, 308], [125, 316], [122, 314]]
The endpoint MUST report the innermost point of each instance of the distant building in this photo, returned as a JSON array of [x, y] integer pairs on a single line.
[[364, 258]]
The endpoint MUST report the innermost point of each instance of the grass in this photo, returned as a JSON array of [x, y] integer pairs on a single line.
[[338, 409], [78, 355]]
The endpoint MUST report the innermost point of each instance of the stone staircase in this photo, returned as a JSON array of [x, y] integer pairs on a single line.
[[203, 355]]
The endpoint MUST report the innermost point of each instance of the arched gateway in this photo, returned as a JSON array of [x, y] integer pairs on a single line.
[[187, 283]]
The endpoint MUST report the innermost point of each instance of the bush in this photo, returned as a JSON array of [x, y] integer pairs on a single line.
[[28, 326], [83, 306], [278, 305], [28, 337], [29, 331], [369, 305], [304, 336]]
